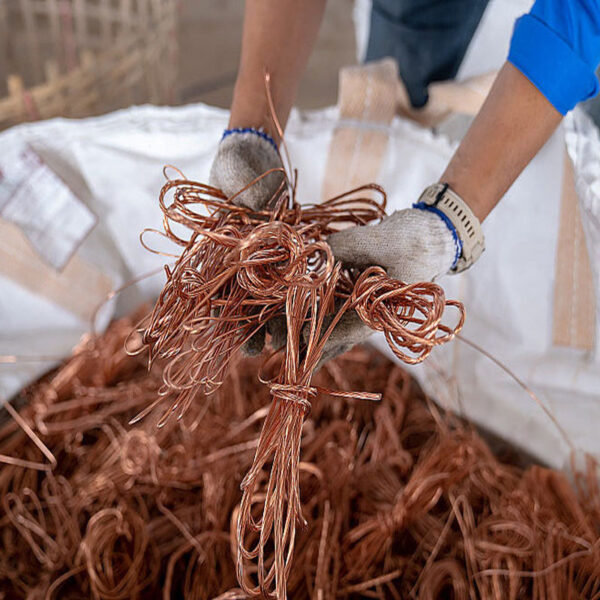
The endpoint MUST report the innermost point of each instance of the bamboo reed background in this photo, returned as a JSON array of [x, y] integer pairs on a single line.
[[78, 58]]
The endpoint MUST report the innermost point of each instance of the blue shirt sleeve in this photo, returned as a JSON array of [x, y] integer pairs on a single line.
[[557, 47]]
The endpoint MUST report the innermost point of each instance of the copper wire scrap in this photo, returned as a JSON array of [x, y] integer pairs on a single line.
[[408, 315], [238, 270], [396, 500], [399, 500]]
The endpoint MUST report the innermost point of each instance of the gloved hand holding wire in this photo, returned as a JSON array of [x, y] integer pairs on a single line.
[[425, 242], [246, 155], [412, 245]]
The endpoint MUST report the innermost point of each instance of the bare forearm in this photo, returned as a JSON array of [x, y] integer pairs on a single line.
[[513, 124], [278, 37]]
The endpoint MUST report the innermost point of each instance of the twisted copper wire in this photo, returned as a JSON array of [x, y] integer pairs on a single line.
[[146, 513], [107, 531], [408, 315], [238, 270], [233, 273], [468, 524]]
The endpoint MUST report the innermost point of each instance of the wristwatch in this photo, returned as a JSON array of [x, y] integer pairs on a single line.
[[441, 199]]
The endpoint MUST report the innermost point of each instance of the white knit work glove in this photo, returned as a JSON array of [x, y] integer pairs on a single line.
[[244, 155], [412, 245]]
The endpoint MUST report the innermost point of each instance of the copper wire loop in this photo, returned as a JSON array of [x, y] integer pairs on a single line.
[[399, 500]]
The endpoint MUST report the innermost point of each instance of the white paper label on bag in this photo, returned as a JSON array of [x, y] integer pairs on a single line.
[[35, 199]]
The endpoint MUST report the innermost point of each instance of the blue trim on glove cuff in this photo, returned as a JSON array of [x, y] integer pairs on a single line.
[[258, 132], [449, 225]]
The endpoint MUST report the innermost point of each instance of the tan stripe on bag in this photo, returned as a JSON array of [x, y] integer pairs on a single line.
[[78, 288], [367, 102], [574, 302]]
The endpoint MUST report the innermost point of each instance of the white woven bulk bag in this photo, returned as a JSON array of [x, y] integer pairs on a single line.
[[510, 294], [531, 300]]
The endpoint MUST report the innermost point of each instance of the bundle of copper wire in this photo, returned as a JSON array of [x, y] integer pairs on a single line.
[[400, 501], [238, 271]]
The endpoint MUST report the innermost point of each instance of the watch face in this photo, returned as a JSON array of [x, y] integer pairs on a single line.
[[462, 218], [429, 195]]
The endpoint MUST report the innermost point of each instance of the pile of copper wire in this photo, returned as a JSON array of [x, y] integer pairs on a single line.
[[399, 500], [238, 272]]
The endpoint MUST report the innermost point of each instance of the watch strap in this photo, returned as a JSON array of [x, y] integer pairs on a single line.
[[466, 224]]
